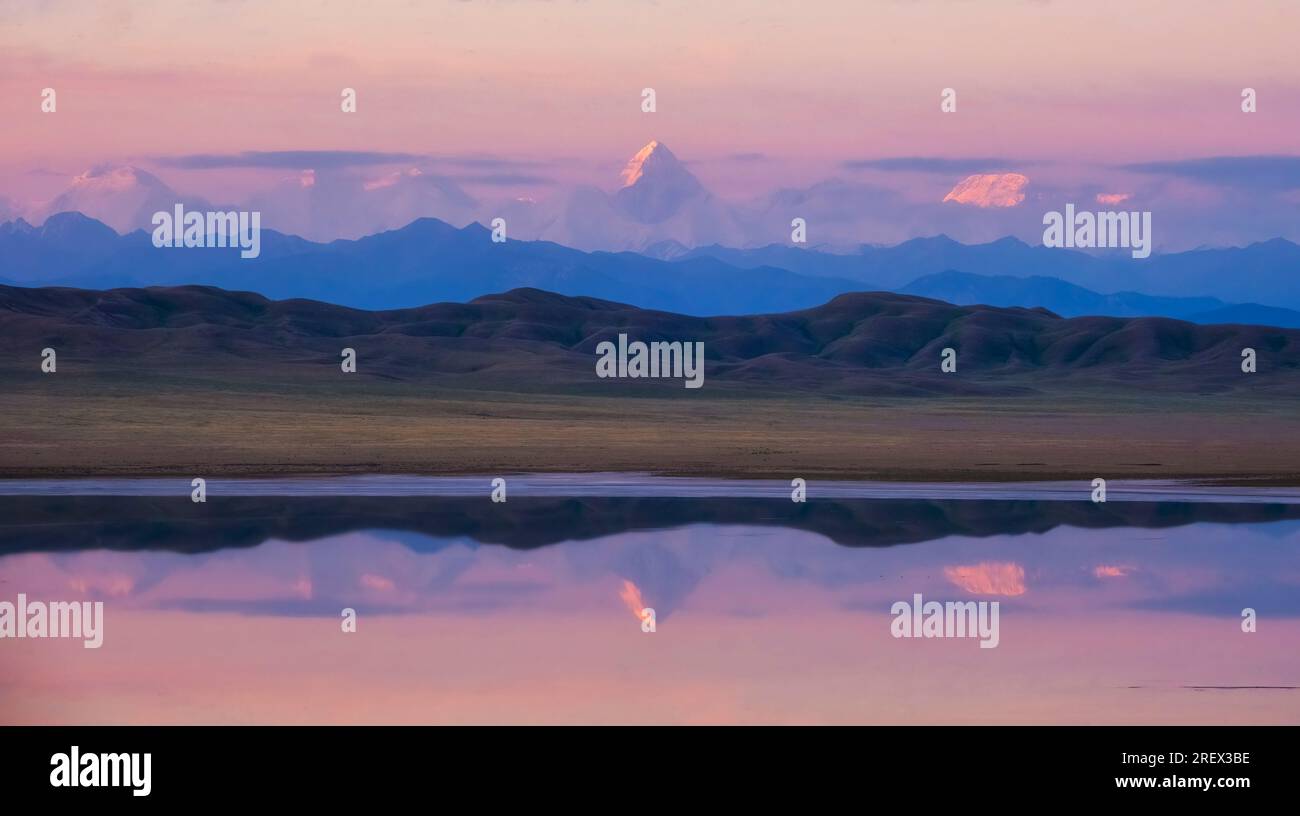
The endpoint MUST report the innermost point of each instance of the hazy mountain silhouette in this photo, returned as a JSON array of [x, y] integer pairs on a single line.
[[123, 196], [1264, 273], [1069, 300], [429, 260], [424, 262], [1249, 313], [72, 523]]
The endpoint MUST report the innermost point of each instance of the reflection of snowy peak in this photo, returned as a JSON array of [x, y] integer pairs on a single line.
[[656, 186], [121, 196]]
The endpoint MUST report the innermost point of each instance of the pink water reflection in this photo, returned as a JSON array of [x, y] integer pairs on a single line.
[[754, 625]]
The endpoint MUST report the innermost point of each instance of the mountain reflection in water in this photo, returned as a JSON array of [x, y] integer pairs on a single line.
[[767, 610]]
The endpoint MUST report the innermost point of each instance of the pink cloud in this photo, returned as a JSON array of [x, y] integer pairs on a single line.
[[989, 578], [376, 582], [1113, 198], [1111, 571], [115, 585]]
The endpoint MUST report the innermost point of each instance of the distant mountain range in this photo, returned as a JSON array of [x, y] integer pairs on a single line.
[[657, 199], [424, 262], [429, 261], [61, 524], [529, 340], [1266, 273], [1069, 300], [659, 203]]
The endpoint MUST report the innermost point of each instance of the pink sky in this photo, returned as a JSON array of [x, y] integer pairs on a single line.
[[1097, 81], [753, 96]]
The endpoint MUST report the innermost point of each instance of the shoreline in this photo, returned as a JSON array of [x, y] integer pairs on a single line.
[[935, 476], [636, 485], [1264, 480]]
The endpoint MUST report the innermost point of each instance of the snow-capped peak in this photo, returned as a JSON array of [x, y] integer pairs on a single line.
[[656, 185], [122, 196], [636, 165], [115, 179]]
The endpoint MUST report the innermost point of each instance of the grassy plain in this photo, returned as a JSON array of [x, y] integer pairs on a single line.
[[140, 424]]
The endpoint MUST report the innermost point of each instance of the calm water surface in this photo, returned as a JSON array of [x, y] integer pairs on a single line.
[[767, 611]]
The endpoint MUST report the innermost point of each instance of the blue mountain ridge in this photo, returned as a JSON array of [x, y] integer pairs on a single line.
[[430, 261]]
